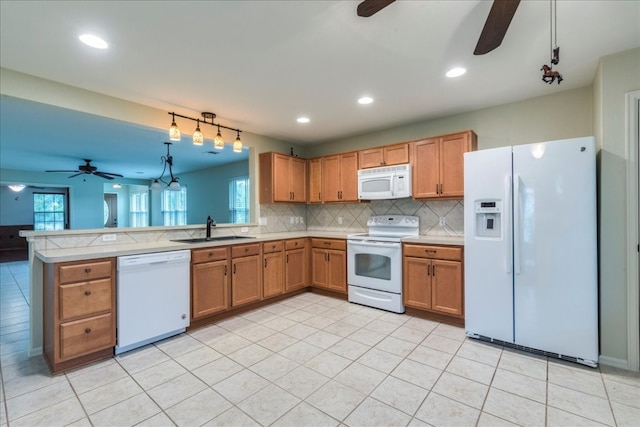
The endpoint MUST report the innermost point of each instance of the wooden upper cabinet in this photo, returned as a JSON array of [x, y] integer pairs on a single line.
[[282, 178], [314, 179], [396, 154], [340, 177], [438, 165]]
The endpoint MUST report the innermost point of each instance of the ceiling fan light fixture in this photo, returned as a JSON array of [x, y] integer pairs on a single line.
[[16, 187], [456, 72], [218, 141], [174, 131], [198, 137], [365, 100], [93, 41], [155, 185], [237, 144], [174, 185]]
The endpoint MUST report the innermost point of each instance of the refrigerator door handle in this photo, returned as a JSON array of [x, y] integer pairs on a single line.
[[508, 244], [516, 224]]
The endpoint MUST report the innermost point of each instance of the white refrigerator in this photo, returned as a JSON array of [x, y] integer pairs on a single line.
[[530, 248]]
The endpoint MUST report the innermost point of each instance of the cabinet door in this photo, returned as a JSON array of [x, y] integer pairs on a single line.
[[209, 288], [396, 154], [452, 149], [446, 287], [246, 280], [337, 270], [417, 282], [314, 168], [281, 187], [349, 177], [371, 158], [273, 274], [426, 174], [319, 268], [298, 179], [295, 266], [331, 178]]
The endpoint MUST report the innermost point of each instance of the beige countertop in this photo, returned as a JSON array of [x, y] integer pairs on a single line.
[[114, 250]]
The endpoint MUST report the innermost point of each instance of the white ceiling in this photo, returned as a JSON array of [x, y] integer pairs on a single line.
[[260, 64]]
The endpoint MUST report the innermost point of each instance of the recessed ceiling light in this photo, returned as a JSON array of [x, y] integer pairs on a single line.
[[303, 120], [365, 100], [456, 72], [93, 41]]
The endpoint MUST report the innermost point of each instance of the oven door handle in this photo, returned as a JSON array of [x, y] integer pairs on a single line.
[[374, 244]]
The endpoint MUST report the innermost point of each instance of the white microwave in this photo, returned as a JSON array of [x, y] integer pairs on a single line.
[[387, 182]]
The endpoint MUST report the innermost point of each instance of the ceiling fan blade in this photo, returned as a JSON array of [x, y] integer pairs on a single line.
[[104, 175], [370, 7], [109, 173], [496, 26], [74, 175], [62, 171]]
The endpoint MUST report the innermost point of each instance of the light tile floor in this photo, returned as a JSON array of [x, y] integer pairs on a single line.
[[306, 361]]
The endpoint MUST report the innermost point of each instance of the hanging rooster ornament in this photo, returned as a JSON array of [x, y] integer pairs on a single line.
[[549, 75]]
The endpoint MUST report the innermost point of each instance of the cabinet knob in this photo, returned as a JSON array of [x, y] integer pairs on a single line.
[[87, 292], [87, 330], [87, 270]]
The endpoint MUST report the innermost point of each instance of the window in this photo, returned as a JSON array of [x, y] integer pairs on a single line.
[[48, 211], [174, 206], [139, 209], [239, 200]]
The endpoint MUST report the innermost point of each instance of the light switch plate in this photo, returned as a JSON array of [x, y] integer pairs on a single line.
[[108, 237]]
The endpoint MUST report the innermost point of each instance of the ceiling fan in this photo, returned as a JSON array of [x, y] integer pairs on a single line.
[[89, 169], [495, 27]]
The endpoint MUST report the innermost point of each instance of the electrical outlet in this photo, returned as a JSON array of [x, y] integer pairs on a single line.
[[297, 220], [262, 220], [244, 230], [442, 221], [301, 220], [290, 220], [108, 237], [340, 220]]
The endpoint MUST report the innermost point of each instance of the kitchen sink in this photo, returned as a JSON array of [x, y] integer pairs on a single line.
[[212, 239]]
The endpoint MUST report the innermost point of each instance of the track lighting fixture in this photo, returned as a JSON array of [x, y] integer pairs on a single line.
[[173, 183], [218, 141], [198, 137], [174, 132], [237, 144]]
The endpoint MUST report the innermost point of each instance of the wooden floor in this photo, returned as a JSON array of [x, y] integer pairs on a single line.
[[14, 255]]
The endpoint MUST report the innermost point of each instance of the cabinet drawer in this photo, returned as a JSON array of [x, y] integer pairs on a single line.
[[435, 252], [82, 299], [85, 271], [329, 244], [294, 244], [245, 250], [269, 247], [206, 255], [86, 336]]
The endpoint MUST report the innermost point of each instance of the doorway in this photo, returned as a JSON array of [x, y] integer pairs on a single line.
[[110, 210]]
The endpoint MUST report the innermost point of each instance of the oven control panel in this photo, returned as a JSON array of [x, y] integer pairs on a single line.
[[393, 221]]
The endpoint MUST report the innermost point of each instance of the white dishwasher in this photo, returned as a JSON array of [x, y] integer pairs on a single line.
[[152, 298]]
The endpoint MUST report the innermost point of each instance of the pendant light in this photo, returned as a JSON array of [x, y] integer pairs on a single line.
[[174, 131], [218, 141], [198, 137], [237, 144]]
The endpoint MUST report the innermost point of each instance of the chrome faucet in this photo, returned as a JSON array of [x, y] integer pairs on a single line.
[[210, 223]]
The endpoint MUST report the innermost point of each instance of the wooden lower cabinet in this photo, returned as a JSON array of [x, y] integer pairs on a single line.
[[296, 264], [209, 281], [273, 269], [329, 264], [246, 275], [79, 319], [433, 279]]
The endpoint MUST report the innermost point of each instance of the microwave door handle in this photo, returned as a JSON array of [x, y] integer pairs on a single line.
[[374, 245], [393, 184]]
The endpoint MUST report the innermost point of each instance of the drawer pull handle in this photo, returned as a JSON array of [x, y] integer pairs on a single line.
[[87, 330], [87, 292], [327, 243], [246, 249], [431, 251], [87, 270]]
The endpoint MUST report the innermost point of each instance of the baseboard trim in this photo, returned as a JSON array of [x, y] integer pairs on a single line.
[[37, 351], [613, 361]]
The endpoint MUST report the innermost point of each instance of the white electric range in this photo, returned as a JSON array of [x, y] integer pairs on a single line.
[[374, 261]]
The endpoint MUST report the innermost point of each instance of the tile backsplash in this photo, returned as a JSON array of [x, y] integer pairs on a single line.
[[352, 217]]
